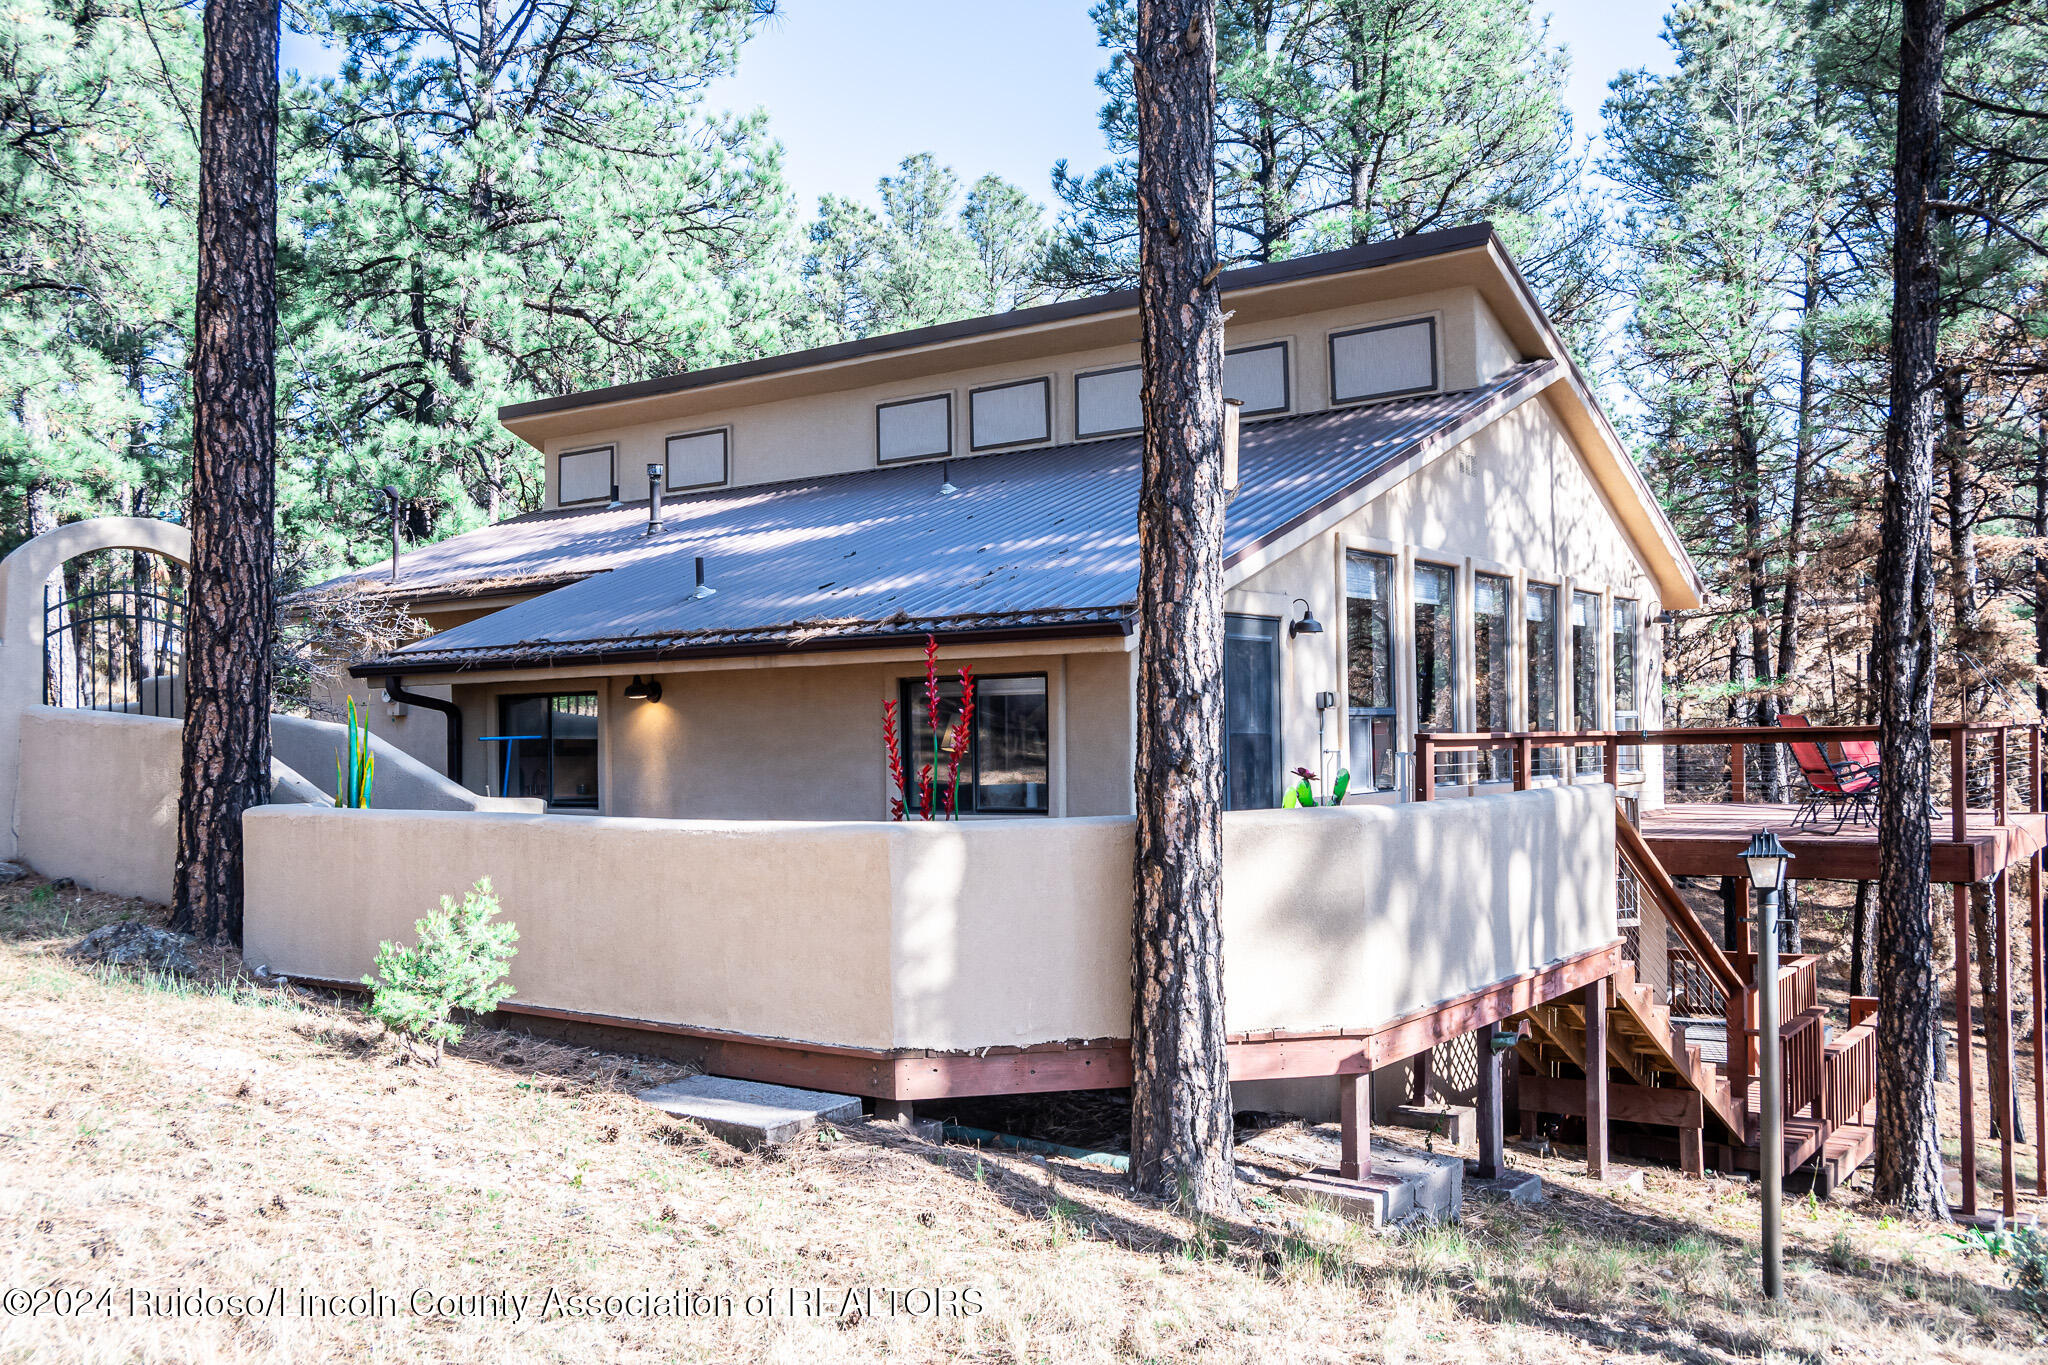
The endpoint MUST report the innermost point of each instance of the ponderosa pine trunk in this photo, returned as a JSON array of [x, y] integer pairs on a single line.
[[1180, 1085], [1908, 1170], [231, 590]]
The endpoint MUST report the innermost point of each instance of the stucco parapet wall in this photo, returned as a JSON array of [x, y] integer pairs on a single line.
[[948, 937]]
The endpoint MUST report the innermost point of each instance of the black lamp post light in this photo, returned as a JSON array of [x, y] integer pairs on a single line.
[[1768, 863]]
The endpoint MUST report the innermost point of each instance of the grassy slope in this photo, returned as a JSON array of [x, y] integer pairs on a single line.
[[225, 1137]]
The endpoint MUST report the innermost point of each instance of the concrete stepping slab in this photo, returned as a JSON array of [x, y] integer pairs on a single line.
[[751, 1113], [1404, 1184]]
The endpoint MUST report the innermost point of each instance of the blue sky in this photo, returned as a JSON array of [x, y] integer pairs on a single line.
[[854, 86]]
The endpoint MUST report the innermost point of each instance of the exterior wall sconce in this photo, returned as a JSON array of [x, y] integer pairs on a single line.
[[1307, 625], [643, 689]]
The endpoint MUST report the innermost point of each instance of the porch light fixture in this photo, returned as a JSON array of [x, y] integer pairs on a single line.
[[1307, 625], [1767, 860], [643, 689]]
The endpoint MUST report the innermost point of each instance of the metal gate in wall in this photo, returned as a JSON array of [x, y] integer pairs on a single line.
[[114, 634]]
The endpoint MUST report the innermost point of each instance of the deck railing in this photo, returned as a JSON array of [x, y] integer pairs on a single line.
[[1851, 1074], [1984, 758]]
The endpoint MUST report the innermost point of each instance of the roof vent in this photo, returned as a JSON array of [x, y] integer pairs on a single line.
[[653, 499], [614, 505], [946, 488], [703, 589]]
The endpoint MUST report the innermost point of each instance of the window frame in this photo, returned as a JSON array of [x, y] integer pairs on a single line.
[[1392, 711], [1275, 694], [910, 693], [1080, 375], [1044, 383], [1435, 365], [724, 459], [1286, 375], [595, 802], [611, 483], [946, 454]]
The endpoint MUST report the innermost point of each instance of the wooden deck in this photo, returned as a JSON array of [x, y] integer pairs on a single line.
[[1706, 839]]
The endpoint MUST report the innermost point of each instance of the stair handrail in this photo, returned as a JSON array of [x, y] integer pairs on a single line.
[[1652, 874]]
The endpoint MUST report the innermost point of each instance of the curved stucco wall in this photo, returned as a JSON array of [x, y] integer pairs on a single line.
[[949, 936], [401, 782]]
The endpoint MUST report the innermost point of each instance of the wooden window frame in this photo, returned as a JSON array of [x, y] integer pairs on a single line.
[[724, 459], [1080, 375], [611, 483], [909, 688], [947, 453], [1044, 383], [1286, 375], [1435, 368]]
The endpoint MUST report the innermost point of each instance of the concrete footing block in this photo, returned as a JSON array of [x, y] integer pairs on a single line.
[[1512, 1187], [1457, 1124], [751, 1113], [1404, 1185]]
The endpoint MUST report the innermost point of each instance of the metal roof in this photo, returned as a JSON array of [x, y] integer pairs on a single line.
[[1033, 542], [1359, 257]]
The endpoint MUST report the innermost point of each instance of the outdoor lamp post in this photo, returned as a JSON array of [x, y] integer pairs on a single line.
[[1768, 860]]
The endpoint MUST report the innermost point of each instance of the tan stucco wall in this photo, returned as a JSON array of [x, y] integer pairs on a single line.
[[822, 433], [98, 798], [1514, 500], [803, 740], [950, 936], [399, 781]]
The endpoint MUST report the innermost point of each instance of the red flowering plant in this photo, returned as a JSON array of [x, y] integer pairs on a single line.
[[948, 746]]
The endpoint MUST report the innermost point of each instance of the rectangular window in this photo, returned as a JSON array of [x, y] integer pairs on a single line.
[[1251, 712], [1628, 714], [1436, 659], [583, 476], [697, 459], [1369, 643], [914, 429], [1009, 414], [1586, 673], [1491, 662], [551, 748], [1384, 361], [1257, 377], [1106, 403], [1539, 615], [1005, 770]]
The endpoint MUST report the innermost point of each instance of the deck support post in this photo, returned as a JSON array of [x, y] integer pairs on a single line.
[[1492, 1106], [1966, 1087], [2040, 1010], [1692, 1152], [895, 1111], [1420, 1067], [1596, 1078], [1354, 1119], [2005, 1103]]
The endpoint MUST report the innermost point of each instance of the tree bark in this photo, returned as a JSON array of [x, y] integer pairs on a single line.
[[226, 760], [1862, 939], [1180, 1086], [1908, 1170]]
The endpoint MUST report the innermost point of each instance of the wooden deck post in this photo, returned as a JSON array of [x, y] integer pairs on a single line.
[[1610, 763], [2034, 769], [1966, 1088], [1425, 768], [2040, 1010], [1958, 782], [1525, 762], [1596, 1078], [1419, 1068], [1738, 774], [1354, 1120], [895, 1111], [2004, 1104], [1492, 1106], [1998, 778]]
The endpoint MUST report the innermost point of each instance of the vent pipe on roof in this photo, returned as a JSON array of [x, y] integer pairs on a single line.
[[1230, 407], [614, 505], [653, 498], [946, 488], [703, 589]]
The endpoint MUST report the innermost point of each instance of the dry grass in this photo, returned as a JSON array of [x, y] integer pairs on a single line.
[[221, 1136]]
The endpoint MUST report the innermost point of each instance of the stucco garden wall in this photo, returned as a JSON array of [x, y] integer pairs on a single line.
[[948, 936]]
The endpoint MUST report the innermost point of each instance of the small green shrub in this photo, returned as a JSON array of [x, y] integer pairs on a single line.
[[2024, 1250], [458, 964]]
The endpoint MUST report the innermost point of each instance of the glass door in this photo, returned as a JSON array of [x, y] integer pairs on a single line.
[[1251, 712]]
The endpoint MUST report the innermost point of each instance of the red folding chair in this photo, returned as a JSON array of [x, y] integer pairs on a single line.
[[1847, 791]]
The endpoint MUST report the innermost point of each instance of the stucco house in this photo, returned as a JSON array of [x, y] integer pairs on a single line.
[[1434, 527]]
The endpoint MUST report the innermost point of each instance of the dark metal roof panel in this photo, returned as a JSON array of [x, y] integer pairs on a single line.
[[1046, 536]]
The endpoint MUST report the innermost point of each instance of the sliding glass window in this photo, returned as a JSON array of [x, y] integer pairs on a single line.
[[1491, 656], [1628, 714], [551, 748], [1586, 673], [1539, 698], [1368, 630], [1436, 659]]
